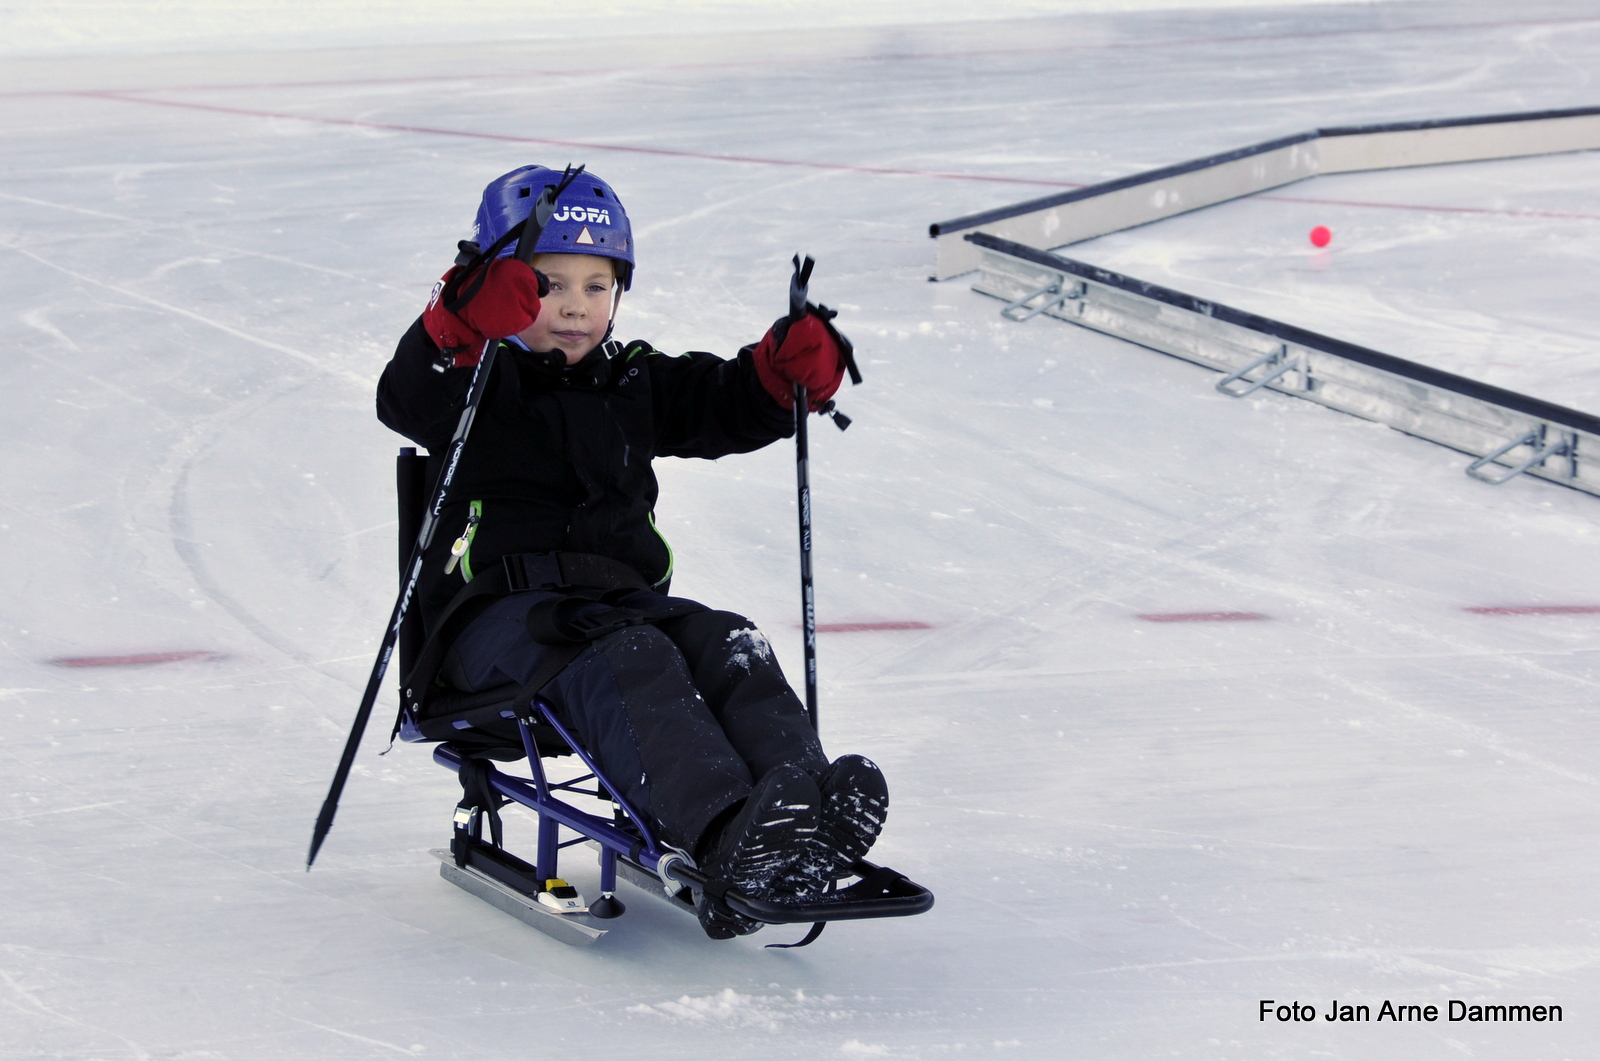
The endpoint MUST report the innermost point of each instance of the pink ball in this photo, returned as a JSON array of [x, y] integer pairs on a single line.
[[1320, 236]]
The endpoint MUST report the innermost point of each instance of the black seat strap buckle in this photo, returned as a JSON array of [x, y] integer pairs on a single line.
[[530, 571], [516, 572]]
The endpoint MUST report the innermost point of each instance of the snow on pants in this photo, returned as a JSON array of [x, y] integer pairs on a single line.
[[682, 716]]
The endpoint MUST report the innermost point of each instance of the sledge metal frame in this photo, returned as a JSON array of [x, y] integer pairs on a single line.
[[1500, 428], [553, 813], [626, 844]]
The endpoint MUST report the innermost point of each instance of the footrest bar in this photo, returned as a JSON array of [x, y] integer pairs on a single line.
[[881, 892]]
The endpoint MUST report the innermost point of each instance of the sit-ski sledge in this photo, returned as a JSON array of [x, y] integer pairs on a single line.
[[476, 731], [480, 731]]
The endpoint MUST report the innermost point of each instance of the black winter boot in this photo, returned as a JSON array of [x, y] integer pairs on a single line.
[[761, 845], [855, 802]]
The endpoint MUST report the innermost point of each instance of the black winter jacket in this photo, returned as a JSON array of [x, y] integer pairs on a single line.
[[558, 458]]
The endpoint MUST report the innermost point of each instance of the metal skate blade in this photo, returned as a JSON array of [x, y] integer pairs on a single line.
[[578, 930]]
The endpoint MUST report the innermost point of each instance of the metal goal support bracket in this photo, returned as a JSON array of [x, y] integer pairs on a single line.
[[1053, 293], [1565, 445], [1279, 364], [1470, 416]]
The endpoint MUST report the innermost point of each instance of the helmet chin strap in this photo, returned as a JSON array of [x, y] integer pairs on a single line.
[[616, 301]]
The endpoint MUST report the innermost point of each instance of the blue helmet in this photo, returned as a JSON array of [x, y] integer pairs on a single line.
[[588, 218]]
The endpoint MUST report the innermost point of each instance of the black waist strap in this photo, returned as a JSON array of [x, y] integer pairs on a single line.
[[516, 573], [560, 571]]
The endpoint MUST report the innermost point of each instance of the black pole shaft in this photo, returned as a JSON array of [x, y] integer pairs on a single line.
[[808, 604], [380, 666], [527, 246]]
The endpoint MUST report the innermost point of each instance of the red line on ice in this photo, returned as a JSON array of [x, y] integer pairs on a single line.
[[580, 144], [838, 167], [142, 659], [1538, 609], [858, 628], [1202, 617]]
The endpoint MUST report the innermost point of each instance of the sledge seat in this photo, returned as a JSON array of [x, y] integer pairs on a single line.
[[483, 722]]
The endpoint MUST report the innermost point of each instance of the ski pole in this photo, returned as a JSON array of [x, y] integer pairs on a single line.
[[802, 467], [527, 243], [798, 308], [380, 666], [808, 608]]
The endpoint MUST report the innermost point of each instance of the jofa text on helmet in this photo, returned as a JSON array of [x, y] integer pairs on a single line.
[[591, 214]]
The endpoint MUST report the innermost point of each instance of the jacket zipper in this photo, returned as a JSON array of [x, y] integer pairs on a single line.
[[461, 549]]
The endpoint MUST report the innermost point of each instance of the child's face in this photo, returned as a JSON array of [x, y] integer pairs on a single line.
[[573, 316]]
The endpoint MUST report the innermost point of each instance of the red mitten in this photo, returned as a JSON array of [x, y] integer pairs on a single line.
[[805, 351], [498, 300]]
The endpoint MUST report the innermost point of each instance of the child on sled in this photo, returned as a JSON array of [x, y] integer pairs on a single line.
[[684, 707]]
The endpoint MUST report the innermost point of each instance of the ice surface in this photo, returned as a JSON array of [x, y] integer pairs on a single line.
[[1136, 830]]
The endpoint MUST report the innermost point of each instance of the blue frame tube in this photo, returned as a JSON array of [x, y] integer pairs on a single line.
[[521, 790], [535, 793], [572, 742]]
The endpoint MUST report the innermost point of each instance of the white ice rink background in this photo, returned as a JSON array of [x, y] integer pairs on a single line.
[[1136, 829], [78, 27]]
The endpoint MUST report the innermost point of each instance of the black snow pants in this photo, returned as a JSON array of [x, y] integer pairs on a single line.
[[683, 716]]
